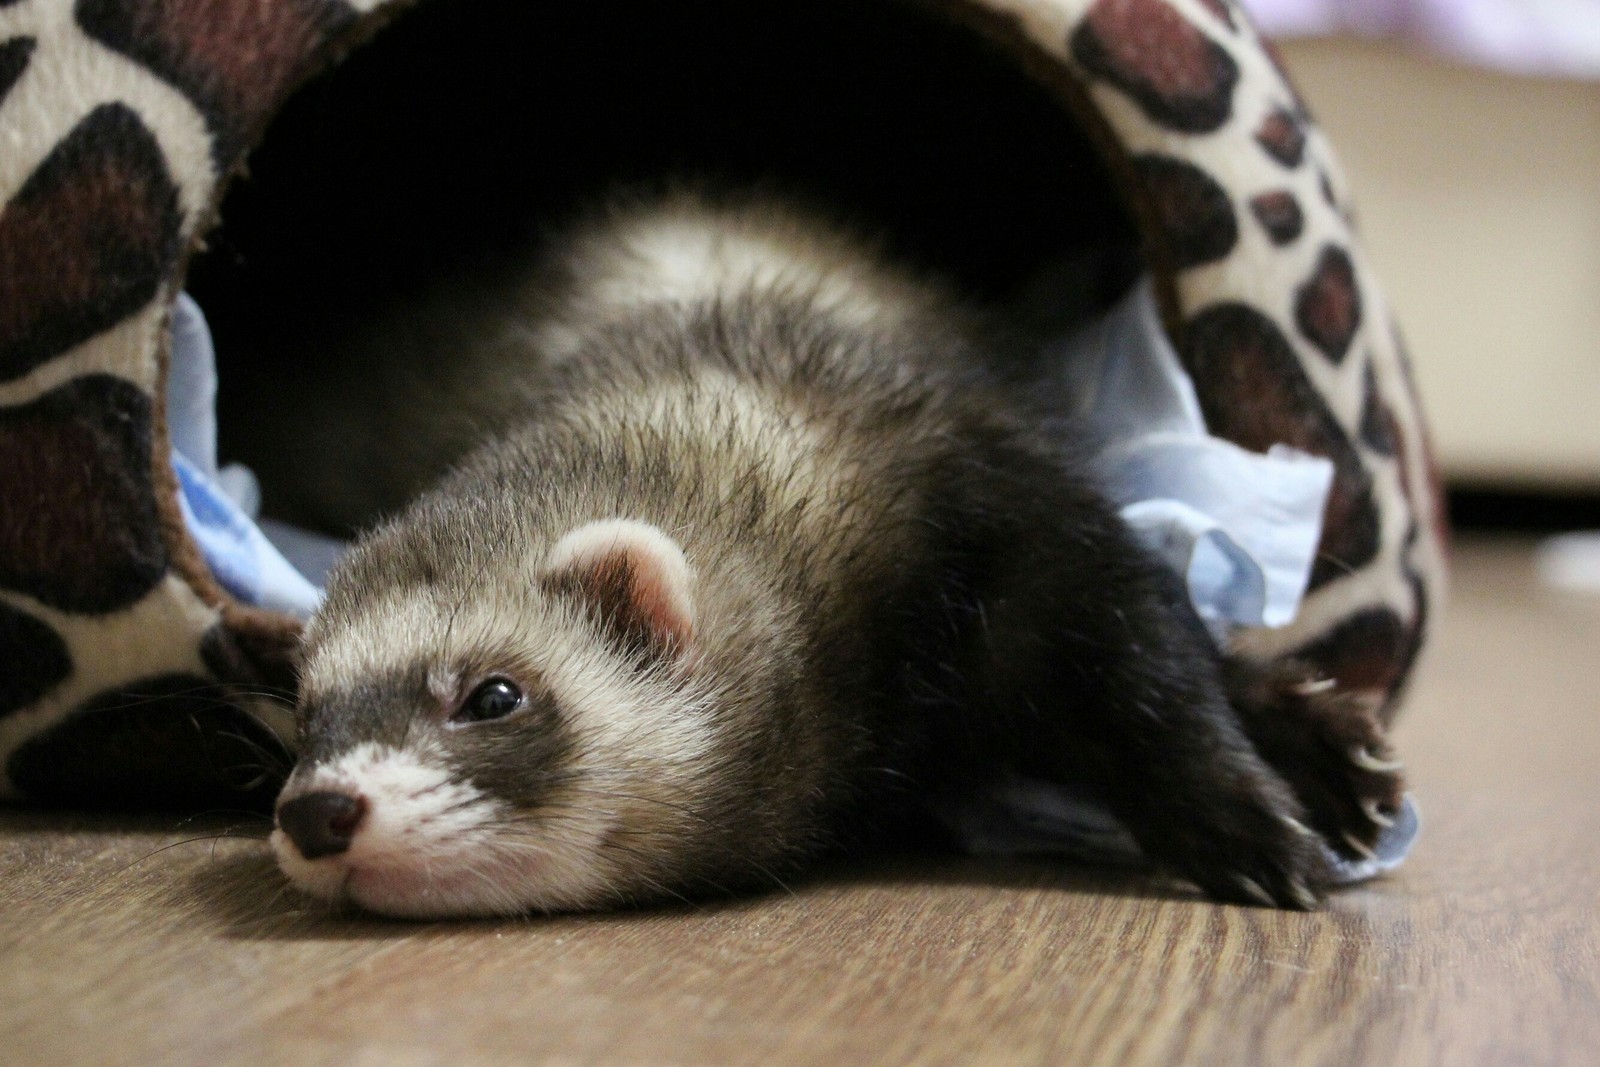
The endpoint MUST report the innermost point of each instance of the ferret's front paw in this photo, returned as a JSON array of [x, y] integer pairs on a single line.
[[1331, 749], [1250, 847]]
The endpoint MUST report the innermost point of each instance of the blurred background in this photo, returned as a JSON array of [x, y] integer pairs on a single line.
[[1470, 130]]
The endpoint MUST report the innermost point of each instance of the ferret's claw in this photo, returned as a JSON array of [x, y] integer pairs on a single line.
[[1253, 890], [1374, 811], [1359, 846], [1299, 827], [1362, 757], [1302, 895]]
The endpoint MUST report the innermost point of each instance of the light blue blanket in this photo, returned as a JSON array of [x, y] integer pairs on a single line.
[[220, 505]]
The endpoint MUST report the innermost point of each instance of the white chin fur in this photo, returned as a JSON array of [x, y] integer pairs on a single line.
[[430, 846]]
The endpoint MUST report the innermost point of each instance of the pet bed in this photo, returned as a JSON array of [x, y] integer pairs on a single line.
[[130, 675]]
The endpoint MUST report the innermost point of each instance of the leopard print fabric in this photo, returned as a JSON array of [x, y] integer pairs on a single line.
[[128, 674]]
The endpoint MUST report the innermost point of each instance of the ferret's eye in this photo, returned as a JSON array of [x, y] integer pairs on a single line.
[[494, 699]]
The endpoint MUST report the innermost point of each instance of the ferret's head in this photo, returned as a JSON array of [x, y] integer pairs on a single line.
[[490, 727]]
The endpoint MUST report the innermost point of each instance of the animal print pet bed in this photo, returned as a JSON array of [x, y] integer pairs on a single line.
[[129, 675]]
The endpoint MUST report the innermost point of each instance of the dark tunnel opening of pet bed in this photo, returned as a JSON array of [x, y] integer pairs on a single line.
[[441, 147]]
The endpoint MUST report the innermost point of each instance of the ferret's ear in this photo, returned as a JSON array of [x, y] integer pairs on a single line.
[[633, 579]]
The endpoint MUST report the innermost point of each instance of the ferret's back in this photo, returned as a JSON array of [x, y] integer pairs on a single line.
[[417, 388]]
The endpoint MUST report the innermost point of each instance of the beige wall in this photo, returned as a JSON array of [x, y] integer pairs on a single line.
[[1479, 196]]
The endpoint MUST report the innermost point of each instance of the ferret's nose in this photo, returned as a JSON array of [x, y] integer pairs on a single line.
[[322, 824]]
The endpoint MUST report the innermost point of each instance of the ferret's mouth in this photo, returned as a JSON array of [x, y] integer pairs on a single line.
[[399, 891], [408, 894], [437, 889]]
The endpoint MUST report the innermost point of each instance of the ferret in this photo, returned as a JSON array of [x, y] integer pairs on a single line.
[[755, 564]]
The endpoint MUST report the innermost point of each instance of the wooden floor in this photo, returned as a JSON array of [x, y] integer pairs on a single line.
[[152, 942]]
